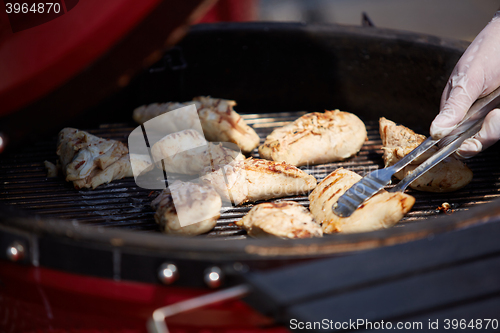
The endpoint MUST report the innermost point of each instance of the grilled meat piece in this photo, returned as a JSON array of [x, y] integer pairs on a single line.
[[449, 175], [197, 205], [315, 138], [286, 219], [256, 179], [187, 152], [117, 170], [219, 121], [383, 210], [89, 161]]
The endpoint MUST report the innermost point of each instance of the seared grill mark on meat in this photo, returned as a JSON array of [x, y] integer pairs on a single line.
[[299, 137], [333, 178], [79, 165], [273, 167], [255, 179], [315, 138], [233, 121], [335, 193], [381, 211]]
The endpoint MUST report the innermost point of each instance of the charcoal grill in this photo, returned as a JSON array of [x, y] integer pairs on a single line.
[[123, 205], [276, 72]]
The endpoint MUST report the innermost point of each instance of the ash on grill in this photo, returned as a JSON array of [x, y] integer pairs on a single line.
[[121, 204]]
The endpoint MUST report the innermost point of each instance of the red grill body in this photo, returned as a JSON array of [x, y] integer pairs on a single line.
[[46, 300]]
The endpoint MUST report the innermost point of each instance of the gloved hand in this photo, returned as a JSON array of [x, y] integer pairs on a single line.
[[476, 74]]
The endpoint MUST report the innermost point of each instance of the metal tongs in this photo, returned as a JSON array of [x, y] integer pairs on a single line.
[[376, 180]]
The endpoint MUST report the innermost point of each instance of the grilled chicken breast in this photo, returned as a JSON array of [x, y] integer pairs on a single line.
[[117, 170], [449, 175], [287, 219], [383, 210], [187, 152], [256, 179], [193, 203], [315, 138], [219, 121], [89, 161]]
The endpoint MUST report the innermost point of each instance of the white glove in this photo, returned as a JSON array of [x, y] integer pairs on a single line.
[[476, 74]]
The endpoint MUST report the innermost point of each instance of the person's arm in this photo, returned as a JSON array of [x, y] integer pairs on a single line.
[[476, 74]]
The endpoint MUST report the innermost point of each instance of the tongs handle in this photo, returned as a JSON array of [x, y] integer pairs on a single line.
[[470, 125]]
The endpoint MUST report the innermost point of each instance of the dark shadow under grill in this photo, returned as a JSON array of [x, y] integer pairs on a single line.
[[121, 204]]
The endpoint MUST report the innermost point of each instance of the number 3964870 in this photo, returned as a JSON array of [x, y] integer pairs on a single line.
[[40, 7]]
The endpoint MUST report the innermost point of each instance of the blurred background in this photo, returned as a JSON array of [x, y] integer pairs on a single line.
[[461, 19]]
